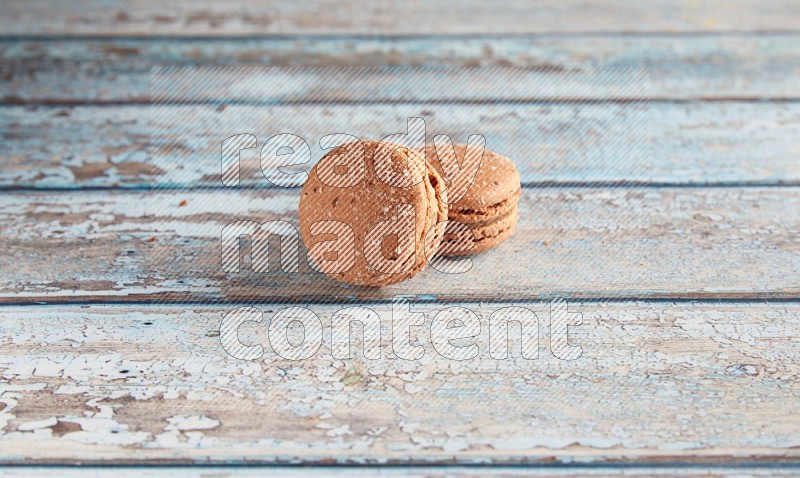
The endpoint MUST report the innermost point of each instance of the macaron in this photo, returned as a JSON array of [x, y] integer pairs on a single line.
[[372, 213], [486, 214]]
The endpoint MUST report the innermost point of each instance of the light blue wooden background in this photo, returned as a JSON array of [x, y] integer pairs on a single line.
[[682, 252]]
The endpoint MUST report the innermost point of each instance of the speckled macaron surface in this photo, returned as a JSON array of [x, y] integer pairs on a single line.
[[488, 208], [372, 213]]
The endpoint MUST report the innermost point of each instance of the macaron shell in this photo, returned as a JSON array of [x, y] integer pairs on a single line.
[[489, 206], [437, 214], [496, 181], [361, 206]]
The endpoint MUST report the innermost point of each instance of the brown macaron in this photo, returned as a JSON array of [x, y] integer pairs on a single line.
[[486, 214], [372, 213]]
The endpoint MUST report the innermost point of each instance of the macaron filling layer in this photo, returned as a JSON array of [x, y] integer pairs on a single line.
[[472, 214], [485, 235]]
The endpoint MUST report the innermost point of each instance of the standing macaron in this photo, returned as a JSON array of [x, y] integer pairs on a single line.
[[488, 208], [372, 213]]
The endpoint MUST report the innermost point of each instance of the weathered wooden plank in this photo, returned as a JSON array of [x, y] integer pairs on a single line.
[[571, 242], [661, 143], [478, 471], [248, 17], [655, 383], [691, 67]]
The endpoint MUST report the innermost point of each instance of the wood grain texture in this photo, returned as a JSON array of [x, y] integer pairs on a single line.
[[572, 242], [704, 388], [456, 471], [249, 17], [563, 144], [656, 383], [685, 67]]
